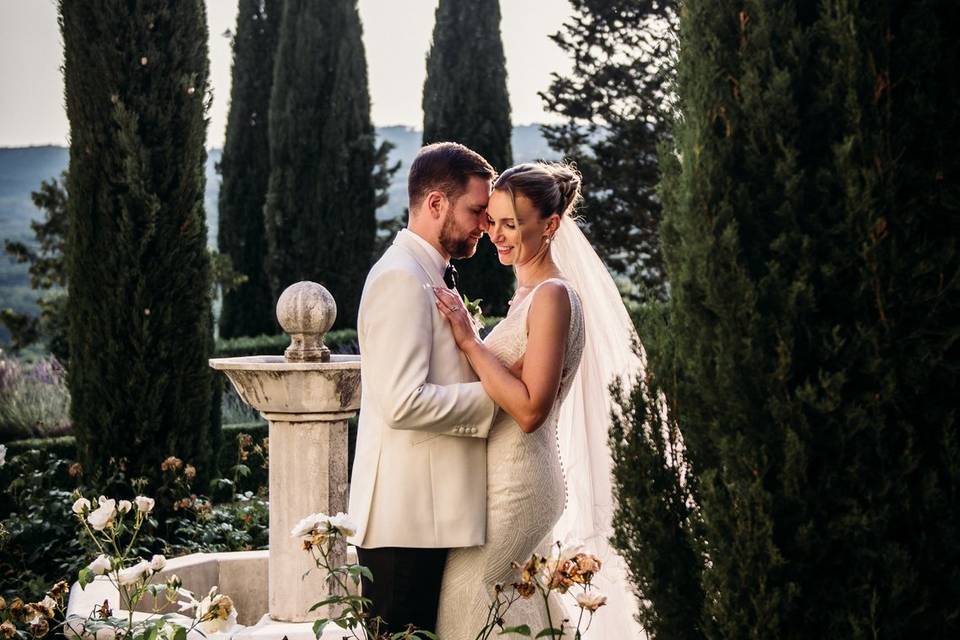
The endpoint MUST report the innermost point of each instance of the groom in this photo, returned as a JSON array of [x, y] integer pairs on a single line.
[[419, 474]]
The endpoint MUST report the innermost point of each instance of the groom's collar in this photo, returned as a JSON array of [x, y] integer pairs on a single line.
[[436, 261]]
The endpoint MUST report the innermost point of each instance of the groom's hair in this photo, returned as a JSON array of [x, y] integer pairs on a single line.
[[445, 167]]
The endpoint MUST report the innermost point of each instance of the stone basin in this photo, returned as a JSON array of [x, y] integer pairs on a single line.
[[272, 385]]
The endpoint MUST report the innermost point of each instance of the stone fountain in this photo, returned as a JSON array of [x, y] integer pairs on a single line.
[[307, 395]]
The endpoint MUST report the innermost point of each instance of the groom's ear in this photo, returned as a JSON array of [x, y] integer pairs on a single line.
[[435, 203]]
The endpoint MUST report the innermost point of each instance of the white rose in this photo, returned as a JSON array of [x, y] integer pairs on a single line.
[[103, 633], [144, 504], [591, 600], [344, 524], [189, 603], [100, 566], [124, 506], [308, 524], [133, 574], [157, 563], [81, 505], [103, 515]]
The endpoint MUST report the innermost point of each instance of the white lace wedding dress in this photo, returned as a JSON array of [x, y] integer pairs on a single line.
[[526, 494]]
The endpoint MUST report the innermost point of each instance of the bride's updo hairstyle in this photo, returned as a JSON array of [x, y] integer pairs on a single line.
[[552, 187]]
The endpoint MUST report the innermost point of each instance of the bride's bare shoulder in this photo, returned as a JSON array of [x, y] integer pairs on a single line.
[[550, 303]]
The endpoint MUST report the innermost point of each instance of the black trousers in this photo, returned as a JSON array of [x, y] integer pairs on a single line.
[[406, 585]]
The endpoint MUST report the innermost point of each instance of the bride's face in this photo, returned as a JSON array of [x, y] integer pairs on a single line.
[[515, 227]]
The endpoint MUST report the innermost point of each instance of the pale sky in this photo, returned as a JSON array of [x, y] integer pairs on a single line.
[[396, 36]]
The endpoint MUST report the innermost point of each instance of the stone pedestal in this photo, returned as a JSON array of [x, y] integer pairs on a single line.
[[310, 476], [307, 405], [307, 396]]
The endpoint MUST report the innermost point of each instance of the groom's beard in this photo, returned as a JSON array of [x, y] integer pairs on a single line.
[[453, 242]]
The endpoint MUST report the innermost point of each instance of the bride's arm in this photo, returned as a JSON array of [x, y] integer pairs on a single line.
[[529, 397]]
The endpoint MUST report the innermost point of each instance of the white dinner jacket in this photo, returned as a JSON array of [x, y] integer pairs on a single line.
[[419, 471]]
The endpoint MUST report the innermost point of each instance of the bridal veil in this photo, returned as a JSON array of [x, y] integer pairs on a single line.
[[611, 350]]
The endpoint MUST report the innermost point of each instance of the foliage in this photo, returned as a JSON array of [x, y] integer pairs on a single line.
[[810, 239], [40, 545], [465, 100], [616, 107], [245, 167], [139, 272], [656, 518], [340, 341], [47, 272], [34, 399], [327, 175]]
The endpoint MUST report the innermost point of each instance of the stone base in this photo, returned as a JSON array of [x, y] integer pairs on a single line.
[[240, 575]]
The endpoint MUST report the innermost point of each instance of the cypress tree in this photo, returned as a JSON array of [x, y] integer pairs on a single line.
[[616, 107], [245, 167], [325, 167], [136, 85], [465, 100], [810, 239]]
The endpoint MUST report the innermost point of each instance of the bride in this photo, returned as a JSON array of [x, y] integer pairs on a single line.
[[547, 365]]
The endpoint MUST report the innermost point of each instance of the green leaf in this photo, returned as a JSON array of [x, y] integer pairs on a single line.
[[549, 633], [180, 633], [356, 569], [426, 634], [522, 630], [85, 577], [326, 601], [319, 625]]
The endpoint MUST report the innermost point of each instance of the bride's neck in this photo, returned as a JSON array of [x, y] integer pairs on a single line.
[[532, 273]]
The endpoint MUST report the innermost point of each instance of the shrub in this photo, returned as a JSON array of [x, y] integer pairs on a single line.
[[34, 399]]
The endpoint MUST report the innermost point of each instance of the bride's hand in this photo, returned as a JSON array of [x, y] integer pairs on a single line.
[[452, 308]]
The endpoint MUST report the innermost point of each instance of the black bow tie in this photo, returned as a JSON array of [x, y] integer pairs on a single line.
[[450, 276]]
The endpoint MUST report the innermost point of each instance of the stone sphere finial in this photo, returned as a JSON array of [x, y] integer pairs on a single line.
[[306, 311]]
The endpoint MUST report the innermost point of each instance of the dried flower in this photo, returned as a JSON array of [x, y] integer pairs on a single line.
[[524, 589], [75, 470], [190, 472], [7, 630], [173, 463], [39, 626], [59, 590], [103, 610]]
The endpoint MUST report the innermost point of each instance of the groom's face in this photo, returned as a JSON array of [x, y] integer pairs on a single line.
[[465, 220]]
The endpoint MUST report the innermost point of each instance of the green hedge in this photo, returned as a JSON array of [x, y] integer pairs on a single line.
[[342, 341]]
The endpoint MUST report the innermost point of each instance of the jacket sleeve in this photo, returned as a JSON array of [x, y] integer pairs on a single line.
[[396, 337]]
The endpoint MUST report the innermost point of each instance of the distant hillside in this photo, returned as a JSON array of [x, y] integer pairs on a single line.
[[23, 168]]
